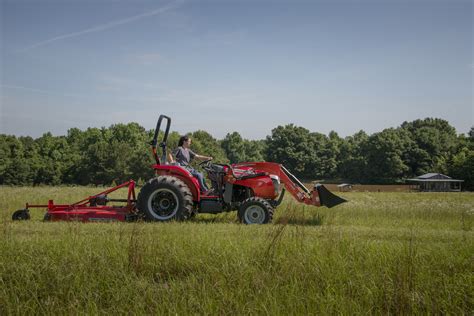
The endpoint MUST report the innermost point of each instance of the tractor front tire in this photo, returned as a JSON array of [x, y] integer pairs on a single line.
[[255, 210], [21, 215], [165, 198]]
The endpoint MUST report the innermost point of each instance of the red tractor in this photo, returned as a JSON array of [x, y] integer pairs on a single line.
[[254, 189]]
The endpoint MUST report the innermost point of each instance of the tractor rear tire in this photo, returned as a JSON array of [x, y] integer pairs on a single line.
[[255, 210], [21, 215], [165, 198]]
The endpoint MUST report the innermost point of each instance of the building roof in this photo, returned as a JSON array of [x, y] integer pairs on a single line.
[[434, 177], [435, 180]]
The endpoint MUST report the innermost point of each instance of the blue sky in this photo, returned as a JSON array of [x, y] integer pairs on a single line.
[[245, 66]]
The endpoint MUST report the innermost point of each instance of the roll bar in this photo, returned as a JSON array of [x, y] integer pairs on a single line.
[[162, 144]]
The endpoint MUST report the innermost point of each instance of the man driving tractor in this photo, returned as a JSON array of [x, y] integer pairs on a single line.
[[184, 155]]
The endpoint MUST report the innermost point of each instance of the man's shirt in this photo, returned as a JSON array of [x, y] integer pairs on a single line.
[[183, 156]]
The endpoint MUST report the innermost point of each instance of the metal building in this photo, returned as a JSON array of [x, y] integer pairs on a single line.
[[435, 182]]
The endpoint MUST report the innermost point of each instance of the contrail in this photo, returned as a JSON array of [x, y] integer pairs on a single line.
[[106, 26]]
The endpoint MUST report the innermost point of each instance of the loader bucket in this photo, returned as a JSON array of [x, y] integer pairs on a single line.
[[327, 198]]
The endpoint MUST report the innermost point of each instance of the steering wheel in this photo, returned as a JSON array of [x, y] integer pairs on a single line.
[[205, 162]]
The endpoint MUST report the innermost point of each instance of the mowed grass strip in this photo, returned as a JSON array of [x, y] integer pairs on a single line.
[[385, 253]]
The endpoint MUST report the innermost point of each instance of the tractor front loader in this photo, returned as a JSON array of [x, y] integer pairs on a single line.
[[319, 196]]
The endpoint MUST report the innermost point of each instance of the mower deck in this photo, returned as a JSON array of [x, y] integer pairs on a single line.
[[91, 209]]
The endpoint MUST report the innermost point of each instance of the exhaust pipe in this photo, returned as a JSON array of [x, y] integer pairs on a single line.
[[327, 198]]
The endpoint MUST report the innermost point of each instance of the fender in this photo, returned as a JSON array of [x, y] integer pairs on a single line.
[[181, 173]]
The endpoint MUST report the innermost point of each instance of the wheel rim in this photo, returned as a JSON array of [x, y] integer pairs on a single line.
[[163, 204], [254, 215]]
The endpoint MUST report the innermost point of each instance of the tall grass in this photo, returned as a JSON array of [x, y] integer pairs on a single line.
[[381, 253]]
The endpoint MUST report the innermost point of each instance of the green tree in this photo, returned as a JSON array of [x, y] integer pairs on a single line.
[[320, 156], [462, 167], [206, 145], [234, 147], [290, 145], [435, 141], [384, 152], [238, 149], [54, 159], [17, 169], [308, 155], [352, 157], [462, 163], [254, 150]]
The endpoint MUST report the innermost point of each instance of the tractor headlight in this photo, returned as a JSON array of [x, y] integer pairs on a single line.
[[276, 183]]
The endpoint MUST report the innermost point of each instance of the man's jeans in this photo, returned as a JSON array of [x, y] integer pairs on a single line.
[[199, 176]]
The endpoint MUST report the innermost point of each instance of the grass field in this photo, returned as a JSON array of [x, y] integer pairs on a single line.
[[381, 253]]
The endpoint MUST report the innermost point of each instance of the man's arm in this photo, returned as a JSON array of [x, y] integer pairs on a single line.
[[170, 158], [200, 157], [203, 157]]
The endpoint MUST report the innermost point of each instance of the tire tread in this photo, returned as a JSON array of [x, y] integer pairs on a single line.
[[256, 200], [184, 211]]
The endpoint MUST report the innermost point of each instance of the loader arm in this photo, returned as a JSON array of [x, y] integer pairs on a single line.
[[319, 196]]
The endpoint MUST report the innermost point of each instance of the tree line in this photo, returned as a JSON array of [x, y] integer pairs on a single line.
[[122, 152]]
